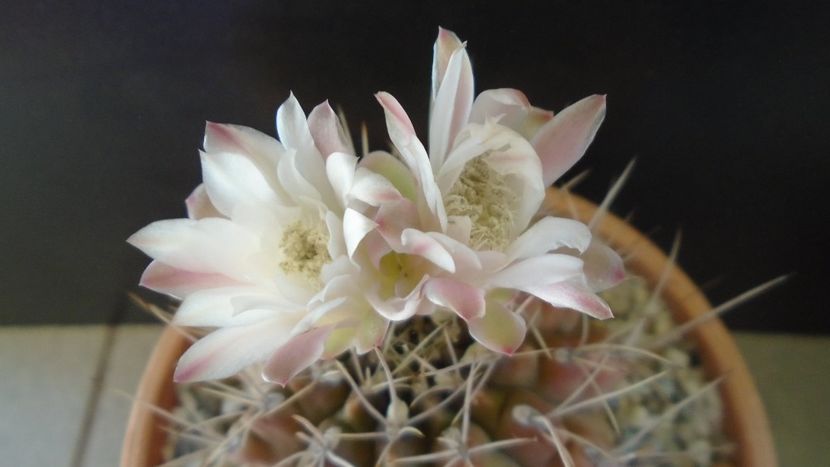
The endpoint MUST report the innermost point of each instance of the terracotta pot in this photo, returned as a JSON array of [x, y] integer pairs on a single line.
[[746, 422]]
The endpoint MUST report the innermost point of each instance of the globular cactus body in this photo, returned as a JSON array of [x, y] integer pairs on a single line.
[[573, 394]]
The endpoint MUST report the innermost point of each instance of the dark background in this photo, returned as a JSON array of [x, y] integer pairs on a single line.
[[724, 105]]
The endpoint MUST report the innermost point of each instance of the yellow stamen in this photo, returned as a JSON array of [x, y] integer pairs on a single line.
[[305, 250], [482, 194]]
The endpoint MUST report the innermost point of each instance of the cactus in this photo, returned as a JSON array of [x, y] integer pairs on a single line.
[[419, 308], [575, 393]]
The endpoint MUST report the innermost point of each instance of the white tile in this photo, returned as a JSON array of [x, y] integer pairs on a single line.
[[791, 373], [47, 373], [129, 354]]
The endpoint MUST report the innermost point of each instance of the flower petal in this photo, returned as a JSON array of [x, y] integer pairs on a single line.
[[215, 308], [327, 132], [370, 332], [226, 351], [393, 218], [373, 189], [446, 43], [294, 132], [336, 245], [394, 170], [573, 294], [340, 169], [562, 141], [296, 355], [500, 329], [262, 149], [180, 283], [463, 299], [466, 260], [210, 245], [231, 179], [538, 271], [414, 155], [496, 103], [400, 308], [603, 266], [511, 108], [355, 227], [292, 127], [292, 179], [415, 242], [451, 107], [548, 234], [199, 205]]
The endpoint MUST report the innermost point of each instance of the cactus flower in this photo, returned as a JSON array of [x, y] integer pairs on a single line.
[[452, 228], [263, 231]]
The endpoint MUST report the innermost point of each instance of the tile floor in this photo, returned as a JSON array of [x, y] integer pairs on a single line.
[[50, 414]]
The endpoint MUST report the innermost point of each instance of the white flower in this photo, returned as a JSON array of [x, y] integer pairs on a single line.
[[263, 239], [451, 229]]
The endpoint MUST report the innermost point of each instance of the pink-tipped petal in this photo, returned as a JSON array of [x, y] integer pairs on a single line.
[[497, 103], [292, 127], [328, 134], [446, 43], [603, 266], [563, 141], [296, 355], [180, 283], [548, 234], [538, 271], [262, 150], [575, 295], [414, 155], [199, 205], [397, 120], [355, 227], [418, 243], [463, 299], [451, 107], [210, 245], [226, 351], [512, 109], [237, 139], [500, 329]]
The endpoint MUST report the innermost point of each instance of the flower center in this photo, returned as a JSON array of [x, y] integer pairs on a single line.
[[399, 273], [483, 195], [305, 250]]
